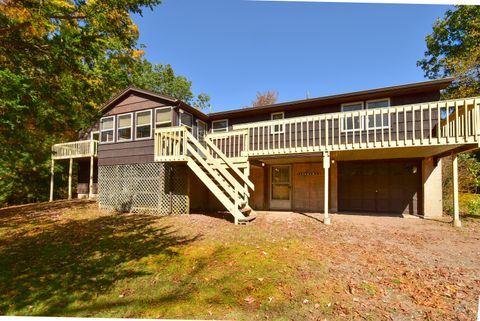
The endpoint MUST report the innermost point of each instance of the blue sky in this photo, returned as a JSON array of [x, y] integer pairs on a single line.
[[231, 49]]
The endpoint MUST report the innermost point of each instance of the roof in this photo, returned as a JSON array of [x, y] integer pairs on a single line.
[[423, 86], [174, 101], [429, 85]]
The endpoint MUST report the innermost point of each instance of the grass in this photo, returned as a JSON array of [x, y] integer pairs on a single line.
[[84, 262], [68, 258]]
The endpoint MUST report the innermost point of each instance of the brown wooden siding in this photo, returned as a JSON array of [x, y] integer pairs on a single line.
[[135, 152], [321, 108]]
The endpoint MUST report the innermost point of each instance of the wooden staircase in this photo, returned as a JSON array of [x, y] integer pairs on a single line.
[[223, 178]]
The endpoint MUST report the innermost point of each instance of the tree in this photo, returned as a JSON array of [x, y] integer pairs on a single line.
[[60, 60], [453, 49], [265, 98], [162, 79]]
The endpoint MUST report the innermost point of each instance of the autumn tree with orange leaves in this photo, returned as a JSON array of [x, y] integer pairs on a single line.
[[60, 60]]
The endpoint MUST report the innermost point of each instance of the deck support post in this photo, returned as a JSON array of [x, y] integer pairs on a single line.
[[456, 209], [90, 184], [70, 169], [326, 168], [52, 171]]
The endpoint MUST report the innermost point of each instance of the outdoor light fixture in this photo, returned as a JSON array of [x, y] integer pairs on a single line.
[[414, 169]]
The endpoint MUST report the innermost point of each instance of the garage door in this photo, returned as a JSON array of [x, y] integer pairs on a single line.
[[383, 187]]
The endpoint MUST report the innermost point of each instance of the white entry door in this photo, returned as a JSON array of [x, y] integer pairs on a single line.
[[280, 191]]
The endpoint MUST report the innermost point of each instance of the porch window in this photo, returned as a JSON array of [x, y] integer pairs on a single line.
[[143, 124], [107, 132], [351, 122], [163, 117], [377, 121], [125, 124], [220, 125], [186, 120], [277, 129]]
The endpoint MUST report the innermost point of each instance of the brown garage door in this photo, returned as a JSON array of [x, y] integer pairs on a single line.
[[383, 187]]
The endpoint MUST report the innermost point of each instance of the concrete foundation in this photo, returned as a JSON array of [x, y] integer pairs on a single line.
[[432, 188]]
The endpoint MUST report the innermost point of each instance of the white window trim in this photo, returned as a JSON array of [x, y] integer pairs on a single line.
[[95, 132], [202, 122], [113, 129], [131, 126], [199, 121], [136, 124], [181, 111], [281, 125], [378, 126], [218, 121], [342, 123], [171, 116]]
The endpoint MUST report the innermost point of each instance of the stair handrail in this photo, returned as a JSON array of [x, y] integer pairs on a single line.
[[227, 161], [233, 182]]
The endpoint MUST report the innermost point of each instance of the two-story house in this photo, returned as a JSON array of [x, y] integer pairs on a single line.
[[376, 151]]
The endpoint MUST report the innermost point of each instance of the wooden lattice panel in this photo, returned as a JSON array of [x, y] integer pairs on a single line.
[[153, 187]]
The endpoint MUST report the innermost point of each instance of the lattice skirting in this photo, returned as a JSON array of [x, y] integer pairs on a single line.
[[153, 187]]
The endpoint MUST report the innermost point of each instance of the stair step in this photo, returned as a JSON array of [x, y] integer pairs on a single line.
[[247, 219]]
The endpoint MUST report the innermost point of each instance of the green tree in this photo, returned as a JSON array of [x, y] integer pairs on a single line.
[[453, 49], [60, 60], [162, 79]]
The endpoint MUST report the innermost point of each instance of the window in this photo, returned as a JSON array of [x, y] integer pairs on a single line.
[[277, 129], [95, 135], [351, 122], [186, 120], [124, 130], [201, 130], [377, 121], [143, 124], [220, 125], [163, 117], [107, 133]]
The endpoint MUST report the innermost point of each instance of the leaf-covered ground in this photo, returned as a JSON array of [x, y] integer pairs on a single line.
[[70, 259]]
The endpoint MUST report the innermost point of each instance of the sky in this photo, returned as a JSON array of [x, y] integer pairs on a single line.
[[232, 49]]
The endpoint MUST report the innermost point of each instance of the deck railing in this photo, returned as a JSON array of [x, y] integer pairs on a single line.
[[170, 144], [427, 124], [232, 144], [78, 149]]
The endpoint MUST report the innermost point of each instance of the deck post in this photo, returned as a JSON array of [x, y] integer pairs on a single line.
[[52, 171], [70, 179], [326, 168], [456, 209], [90, 185]]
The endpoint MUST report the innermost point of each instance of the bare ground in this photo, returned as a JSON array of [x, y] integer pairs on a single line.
[[285, 266]]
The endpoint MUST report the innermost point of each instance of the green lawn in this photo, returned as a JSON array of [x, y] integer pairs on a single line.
[[84, 262], [70, 259]]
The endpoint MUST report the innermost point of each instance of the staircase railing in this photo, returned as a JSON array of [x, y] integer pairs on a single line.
[[178, 144]]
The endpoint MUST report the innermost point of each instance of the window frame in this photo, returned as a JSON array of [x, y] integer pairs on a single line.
[[93, 133], [118, 128], [199, 121], [171, 115], [219, 121], [366, 108], [272, 128], [342, 123], [113, 130], [136, 124], [181, 111]]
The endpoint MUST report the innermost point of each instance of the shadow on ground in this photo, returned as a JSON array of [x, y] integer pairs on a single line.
[[57, 264]]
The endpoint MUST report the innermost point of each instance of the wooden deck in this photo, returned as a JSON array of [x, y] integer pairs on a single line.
[[78, 149], [451, 122]]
